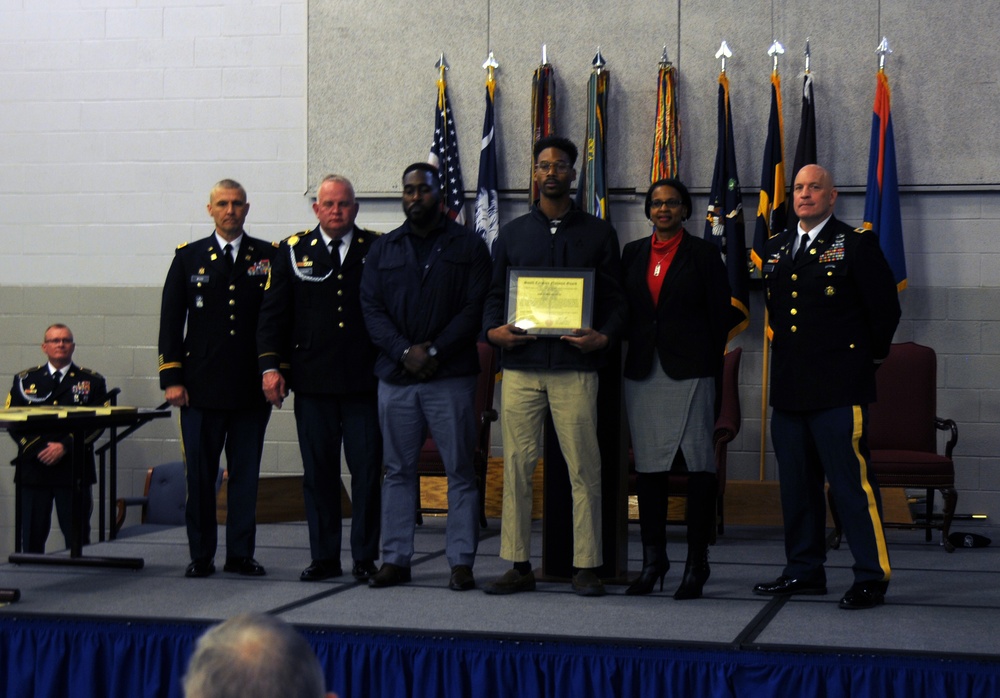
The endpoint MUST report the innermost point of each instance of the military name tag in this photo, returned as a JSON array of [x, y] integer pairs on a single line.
[[199, 278]]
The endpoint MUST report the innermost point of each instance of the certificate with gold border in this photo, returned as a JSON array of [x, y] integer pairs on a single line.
[[550, 301]]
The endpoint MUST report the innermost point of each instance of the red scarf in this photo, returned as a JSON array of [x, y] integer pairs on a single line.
[[661, 254]]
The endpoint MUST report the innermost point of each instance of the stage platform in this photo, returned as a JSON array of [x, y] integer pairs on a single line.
[[104, 632]]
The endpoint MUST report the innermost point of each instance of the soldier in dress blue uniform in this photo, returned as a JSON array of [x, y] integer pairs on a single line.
[[213, 291], [833, 309], [312, 340], [44, 462]]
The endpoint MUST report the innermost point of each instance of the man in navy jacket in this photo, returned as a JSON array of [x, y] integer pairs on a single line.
[[422, 293]]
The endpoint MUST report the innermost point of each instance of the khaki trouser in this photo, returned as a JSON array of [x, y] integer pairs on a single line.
[[572, 398]]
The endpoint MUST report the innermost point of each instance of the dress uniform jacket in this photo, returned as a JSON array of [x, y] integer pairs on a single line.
[[686, 330], [80, 386], [216, 359], [832, 316], [311, 324]]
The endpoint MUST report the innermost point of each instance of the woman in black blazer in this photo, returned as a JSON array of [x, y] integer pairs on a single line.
[[679, 298]]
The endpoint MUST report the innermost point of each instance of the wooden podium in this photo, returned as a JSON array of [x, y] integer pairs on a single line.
[[78, 422]]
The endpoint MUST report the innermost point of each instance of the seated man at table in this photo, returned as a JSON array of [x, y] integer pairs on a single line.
[[45, 463]]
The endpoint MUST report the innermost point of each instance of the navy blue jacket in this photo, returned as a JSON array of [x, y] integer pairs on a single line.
[[311, 326], [442, 302], [34, 387], [831, 316], [580, 241], [208, 319]]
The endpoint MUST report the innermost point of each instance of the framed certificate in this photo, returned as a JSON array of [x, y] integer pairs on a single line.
[[550, 301]]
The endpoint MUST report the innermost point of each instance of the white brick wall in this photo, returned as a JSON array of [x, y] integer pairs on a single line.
[[116, 117]]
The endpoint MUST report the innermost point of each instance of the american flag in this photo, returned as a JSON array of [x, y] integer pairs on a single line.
[[444, 154]]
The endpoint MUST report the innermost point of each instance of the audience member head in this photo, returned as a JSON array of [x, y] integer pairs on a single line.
[[253, 656]]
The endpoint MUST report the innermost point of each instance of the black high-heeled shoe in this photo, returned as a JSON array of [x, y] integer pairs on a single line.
[[654, 567], [696, 572]]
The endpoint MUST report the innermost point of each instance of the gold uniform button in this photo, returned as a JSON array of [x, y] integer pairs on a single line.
[[232, 333], [340, 277], [340, 293], [794, 311], [232, 302], [232, 287], [232, 317], [795, 277], [340, 325], [852, 345], [795, 294], [794, 328], [829, 273], [340, 308]]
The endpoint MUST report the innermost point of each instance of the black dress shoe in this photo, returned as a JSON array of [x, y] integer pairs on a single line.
[[586, 583], [461, 578], [511, 582], [786, 586], [389, 575], [863, 595], [200, 568], [246, 566], [364, 570], [320, 570]]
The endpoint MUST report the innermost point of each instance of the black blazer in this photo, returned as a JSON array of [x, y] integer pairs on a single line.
[[831, 316], [687, 329], [208, 318], [311, 325]]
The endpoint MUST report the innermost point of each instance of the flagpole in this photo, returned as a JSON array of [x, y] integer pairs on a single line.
[[774, 51]]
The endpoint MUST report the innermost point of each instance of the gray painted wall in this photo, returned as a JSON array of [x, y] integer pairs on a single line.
[[372, 82]]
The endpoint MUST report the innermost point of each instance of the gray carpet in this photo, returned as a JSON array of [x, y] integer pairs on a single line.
[[940, 603]]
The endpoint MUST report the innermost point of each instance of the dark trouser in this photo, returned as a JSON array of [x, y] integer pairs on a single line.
[[36, 515], [323, 422], [833, 443], [204, 435]]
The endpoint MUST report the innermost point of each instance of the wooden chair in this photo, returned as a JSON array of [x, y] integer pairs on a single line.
[[430, 463], [902, 437], [727, 426]]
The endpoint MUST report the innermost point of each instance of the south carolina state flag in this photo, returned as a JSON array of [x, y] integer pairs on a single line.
[[882, 212]]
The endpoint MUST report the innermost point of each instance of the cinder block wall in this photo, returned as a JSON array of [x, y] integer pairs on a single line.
[[116, 119]]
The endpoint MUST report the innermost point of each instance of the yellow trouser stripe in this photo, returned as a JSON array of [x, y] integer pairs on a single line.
[[883, 551]]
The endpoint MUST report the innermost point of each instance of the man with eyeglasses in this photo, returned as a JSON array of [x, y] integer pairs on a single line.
[[311, 340], [557, 373], [45, 462]]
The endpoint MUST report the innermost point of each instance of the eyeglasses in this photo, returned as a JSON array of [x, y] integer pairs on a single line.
[[669, 203], [560, 166], [60, 340]]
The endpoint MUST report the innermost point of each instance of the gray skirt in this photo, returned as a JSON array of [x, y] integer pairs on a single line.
[[666, 414]]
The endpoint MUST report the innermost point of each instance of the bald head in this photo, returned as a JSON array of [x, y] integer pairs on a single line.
[[813, 196]]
